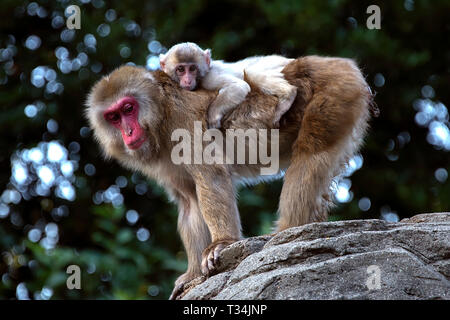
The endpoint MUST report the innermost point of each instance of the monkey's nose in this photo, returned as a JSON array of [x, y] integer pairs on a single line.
[[129, 132]]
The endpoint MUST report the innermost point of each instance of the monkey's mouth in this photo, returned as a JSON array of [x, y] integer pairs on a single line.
[[189, 87], [136, 144]]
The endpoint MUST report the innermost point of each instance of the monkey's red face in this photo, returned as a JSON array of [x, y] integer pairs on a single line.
[[187, 74], [124, 116]]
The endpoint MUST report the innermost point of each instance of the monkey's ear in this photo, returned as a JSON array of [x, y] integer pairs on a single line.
[[162, 61], [208, 56]]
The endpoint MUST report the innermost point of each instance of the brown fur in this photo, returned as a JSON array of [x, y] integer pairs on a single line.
[[323, 128]]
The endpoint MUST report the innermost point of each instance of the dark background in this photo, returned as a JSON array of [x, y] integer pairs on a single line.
[[61, 203]]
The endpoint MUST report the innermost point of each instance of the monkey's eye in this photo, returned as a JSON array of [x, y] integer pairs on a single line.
[[127, 108], [193, 68], [180, 69], [113, 117]]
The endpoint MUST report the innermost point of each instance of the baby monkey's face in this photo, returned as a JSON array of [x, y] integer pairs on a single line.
[[187, 75]]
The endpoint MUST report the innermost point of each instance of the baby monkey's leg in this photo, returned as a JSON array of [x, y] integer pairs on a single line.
[[272, 82]]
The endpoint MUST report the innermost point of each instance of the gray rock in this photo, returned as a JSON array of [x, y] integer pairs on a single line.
[[358, 259]]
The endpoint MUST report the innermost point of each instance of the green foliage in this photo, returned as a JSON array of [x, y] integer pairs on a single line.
[[124, 258]]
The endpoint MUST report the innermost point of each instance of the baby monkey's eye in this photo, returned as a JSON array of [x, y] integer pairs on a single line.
[[180, 68], [192, 68]]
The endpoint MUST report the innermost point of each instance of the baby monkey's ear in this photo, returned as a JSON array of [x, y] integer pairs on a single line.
[[162, 61], [207, 56]]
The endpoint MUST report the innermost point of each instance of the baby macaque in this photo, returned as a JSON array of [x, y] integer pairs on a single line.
[[191, 66]]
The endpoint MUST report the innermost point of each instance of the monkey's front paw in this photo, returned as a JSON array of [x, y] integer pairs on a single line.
[[210, 256]]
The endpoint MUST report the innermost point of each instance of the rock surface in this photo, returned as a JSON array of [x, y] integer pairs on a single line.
[[358, 259]]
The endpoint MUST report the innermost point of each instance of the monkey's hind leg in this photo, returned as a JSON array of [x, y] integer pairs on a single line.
[[305, 193], [331, 133]]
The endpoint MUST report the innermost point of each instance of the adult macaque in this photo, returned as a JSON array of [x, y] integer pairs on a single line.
[[134, 112], [191, 66]]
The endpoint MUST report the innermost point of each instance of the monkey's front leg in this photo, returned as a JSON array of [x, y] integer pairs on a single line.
[[194, 234], [217, 203]]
